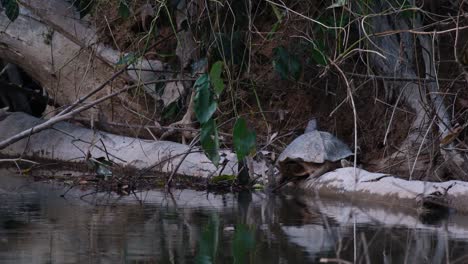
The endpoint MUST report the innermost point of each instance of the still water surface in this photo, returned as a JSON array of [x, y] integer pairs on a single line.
[[39, 226]]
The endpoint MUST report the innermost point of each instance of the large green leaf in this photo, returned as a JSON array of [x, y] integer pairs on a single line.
[[215, 77], [205, 104], [318, 53], [124, 9], [210, 141], [11, 9], [243, 139], [230, 47], [286, 64]]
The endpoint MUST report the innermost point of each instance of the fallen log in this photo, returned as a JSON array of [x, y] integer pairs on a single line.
[[72, 143], [68, 142], [360, 184]]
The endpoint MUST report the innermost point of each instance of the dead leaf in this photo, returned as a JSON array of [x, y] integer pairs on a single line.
[[452, 135], [172, 92]]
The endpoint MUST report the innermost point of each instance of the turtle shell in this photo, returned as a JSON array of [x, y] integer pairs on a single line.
[[317, 147]]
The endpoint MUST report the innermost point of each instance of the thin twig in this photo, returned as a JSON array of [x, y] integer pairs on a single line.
[[173, 173], [350, 95], [16, 160], [403, 79]]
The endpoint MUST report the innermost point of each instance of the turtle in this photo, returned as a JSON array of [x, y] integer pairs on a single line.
[[311, 155]]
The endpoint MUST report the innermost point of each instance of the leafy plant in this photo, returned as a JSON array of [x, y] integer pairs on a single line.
[[205, 103], [11, 9], [243, 138], [208, 88], [171, 110], [286, 64], [230, 47], [216, 79], [210, 141], [124, 9], [279, 20], [318, 53]]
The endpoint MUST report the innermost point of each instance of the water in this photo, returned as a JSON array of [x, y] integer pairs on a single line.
[[39, 226]]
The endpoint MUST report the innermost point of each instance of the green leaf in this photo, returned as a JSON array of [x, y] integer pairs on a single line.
[[127, 59], [170, 111], [244, 139], [124, 9], [287, 65], [243, 243], [230, 47], [210, 141], [279, 20], [11, 9], [215, 77], [318, 54], [273, 30], [407, 13], [204, 102]]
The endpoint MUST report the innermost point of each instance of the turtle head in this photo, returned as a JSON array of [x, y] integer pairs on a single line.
[[298, 170], [311, 126]]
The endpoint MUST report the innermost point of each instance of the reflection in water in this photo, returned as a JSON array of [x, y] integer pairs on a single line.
[[38, 226]]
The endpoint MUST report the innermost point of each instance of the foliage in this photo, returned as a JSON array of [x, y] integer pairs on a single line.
[[11, 9], [286, 64], [205, 102], [318, 53], [230, 47], [237, 37], [216, 79], [124, 9], [208, 88], [243, 139], [205, 105], [210, 140]]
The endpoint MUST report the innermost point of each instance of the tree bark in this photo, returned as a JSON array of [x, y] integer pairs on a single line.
[[61, 52], [403, 55]]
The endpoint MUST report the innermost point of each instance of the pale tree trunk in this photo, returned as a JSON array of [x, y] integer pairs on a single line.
[[403, 52], [62, 52], [38, 42]]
